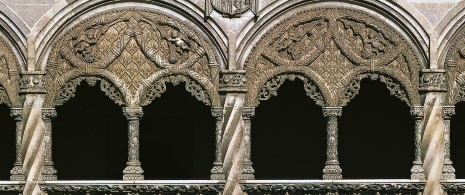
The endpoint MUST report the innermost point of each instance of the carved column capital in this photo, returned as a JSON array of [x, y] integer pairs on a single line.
[[448, 112], [248, 113], [32, 82], [332, 111], [433, 80], [48, 113], [417, 112], [133, 113], [233, 81], [17, 114]]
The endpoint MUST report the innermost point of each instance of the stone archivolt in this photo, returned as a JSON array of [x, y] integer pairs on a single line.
[[133, 53], [455, 67], [334, 48], [9, 76]]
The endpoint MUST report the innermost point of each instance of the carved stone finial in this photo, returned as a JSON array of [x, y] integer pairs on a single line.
[[248, 112], [332, 111], [433, 80], [417, 112], [32, 82], [448, 112], [133, 113]]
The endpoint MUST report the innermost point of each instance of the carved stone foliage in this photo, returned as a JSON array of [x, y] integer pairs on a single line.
[[136, 189], [129, 51], [453, 188], [9, 78], [455, 70], [332, 47], [332, 189]]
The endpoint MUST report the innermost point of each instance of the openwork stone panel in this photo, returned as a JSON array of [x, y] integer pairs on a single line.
[[133, 53], [334, 48]]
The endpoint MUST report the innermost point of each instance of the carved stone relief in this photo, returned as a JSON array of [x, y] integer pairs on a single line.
[[333, 48], [455, 71], [132, 53], [231, 8], [9, 76]]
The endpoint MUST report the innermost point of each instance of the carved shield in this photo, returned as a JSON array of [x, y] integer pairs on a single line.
[[231, 7]]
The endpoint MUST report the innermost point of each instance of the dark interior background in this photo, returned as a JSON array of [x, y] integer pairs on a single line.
[[376, 135], [289, 136], [7, 141], [457, 137]]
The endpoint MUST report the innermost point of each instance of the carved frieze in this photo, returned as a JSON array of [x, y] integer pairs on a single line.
[[128, 51], [332, 47], [140, 189], [433, 80], [233, 81]]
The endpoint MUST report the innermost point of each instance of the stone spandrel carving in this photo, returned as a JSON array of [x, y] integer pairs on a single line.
[[9, 76], [128, 51], [331, 47], [455, 70]]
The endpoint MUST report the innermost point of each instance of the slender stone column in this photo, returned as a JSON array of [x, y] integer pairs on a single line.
[[417, 169], [332, 171], [217, 171], [247, 169], [133, 170], [448, 171], [17, 173], [49, 173]]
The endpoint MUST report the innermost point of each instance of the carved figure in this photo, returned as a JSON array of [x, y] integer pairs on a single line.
[[83, 44]]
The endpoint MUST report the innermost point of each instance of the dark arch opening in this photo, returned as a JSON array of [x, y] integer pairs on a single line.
[[457, 135], [376, 135], [177, 137], [288, 136], [89, 137], [8, 142]]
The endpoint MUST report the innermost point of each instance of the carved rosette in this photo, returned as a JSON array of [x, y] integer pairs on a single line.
[[417, 169], [49, 173], [233, 81], [247, 170], [133, 170], [17, 173], [332, 47], [448, 171], [332, 170], [217, 171]]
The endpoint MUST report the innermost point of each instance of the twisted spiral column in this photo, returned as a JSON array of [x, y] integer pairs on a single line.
[[332, 170], [17, 173], [448, 171], [133, 170], [217, 171]]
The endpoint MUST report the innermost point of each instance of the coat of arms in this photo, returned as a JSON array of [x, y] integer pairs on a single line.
[[231, 8]]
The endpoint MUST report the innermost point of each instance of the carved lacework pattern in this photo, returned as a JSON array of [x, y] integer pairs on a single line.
[[333, 45], [69, 89], [126, 48], [159, 87], [354, 87], [271, 87]]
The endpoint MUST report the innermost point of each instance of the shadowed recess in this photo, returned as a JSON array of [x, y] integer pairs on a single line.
[[288, 136], [7, 140], [457, 135], [376, 135], [89, 137], [177, 137]]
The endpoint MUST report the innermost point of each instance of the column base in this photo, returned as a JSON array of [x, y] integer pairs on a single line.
[[448, 171], [133, 172], [332, 172], [49, 173], [17, 173], [248, 172], [417, 172], [217, 172]]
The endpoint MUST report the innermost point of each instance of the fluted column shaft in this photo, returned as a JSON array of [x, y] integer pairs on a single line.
[[217, 171], [17, 173], [133, 170], [49, 173], [247, 171], [332, 171], [448, 171], [417, 169]]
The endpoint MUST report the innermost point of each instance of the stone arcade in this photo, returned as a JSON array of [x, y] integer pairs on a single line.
[[231, 55]]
